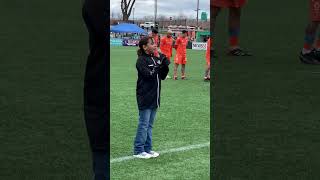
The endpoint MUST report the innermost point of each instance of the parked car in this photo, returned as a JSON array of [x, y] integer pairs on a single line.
[[148, 25]]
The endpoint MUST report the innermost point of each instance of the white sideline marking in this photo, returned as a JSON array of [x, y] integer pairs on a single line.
[[184, 148]]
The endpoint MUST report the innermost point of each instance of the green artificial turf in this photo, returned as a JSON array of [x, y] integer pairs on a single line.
[[182, 120], [43, 47], [266, 107]]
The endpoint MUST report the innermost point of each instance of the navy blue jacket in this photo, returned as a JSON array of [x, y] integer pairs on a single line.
[[151, 70]]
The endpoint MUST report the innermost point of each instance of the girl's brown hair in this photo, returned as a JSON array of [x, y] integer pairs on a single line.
[[143, 42]]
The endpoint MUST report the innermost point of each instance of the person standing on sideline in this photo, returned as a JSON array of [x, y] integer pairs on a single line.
[[310, 53], [155, 37], [181, 55], [96, 110], [207, 72], [166, 45], [234, 7], [151, 70]]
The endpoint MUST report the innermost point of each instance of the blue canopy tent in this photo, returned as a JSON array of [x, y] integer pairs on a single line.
[[127, 28]]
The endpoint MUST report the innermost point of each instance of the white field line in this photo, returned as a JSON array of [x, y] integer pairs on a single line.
[[180, 149]]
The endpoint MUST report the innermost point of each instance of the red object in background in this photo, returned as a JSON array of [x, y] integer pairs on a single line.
[[228, 3], [315, 10]]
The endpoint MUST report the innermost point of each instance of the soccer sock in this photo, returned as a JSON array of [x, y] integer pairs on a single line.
[[206, 73], [175, 69], [310, 35], [183, 69], [308, 43], [234, 37]]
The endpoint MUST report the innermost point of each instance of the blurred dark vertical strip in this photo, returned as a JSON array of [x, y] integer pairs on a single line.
[[96, 85], [212, 165]]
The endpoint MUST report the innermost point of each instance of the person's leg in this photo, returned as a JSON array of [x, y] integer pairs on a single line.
[[234, 32], [148, 144], [183, 66], [207, 73], [100, 160], [310, 35], [307, 54], [95, 88], [175, 76], [141, 135], [183, 71], [234, 27], [168, 76]]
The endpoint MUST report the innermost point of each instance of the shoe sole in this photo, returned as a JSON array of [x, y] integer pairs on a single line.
[[308, 62], [139, 157]]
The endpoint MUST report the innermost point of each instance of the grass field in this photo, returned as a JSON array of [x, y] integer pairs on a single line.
[[182, 120], [43, 53], [266, 107]]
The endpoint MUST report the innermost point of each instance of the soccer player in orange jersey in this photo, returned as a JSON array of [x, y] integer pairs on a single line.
[[155, 37], [207, 72], [310, 53], [166, 44], [181, 55], [234, 7]]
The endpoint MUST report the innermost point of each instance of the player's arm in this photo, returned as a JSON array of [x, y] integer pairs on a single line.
[[176, 44]]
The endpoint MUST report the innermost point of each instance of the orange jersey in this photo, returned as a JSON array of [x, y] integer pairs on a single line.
[[181, 45], [208, 51], [166, 46], [181, 50]]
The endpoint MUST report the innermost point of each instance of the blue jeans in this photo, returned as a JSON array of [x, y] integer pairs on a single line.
[[143, 140]]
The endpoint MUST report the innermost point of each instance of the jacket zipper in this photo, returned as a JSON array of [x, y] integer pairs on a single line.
[[157, 83]]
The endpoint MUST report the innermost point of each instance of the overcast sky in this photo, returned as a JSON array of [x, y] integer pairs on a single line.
[[165, 7]]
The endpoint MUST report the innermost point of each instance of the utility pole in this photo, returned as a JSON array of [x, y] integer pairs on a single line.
[[197, 13], [133, 15], [155, 10]]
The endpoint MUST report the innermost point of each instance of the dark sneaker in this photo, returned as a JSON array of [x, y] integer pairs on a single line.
[[310, 58], [183, 77], [316, 54], [175, 78], [239, 52]]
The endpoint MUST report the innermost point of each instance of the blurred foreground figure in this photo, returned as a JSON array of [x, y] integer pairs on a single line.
[[96, 111]]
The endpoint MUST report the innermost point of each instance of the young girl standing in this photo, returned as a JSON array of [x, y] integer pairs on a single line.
[[151, 70]]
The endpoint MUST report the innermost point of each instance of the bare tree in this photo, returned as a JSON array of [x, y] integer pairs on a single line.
[[119, 15], [126, 8]]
